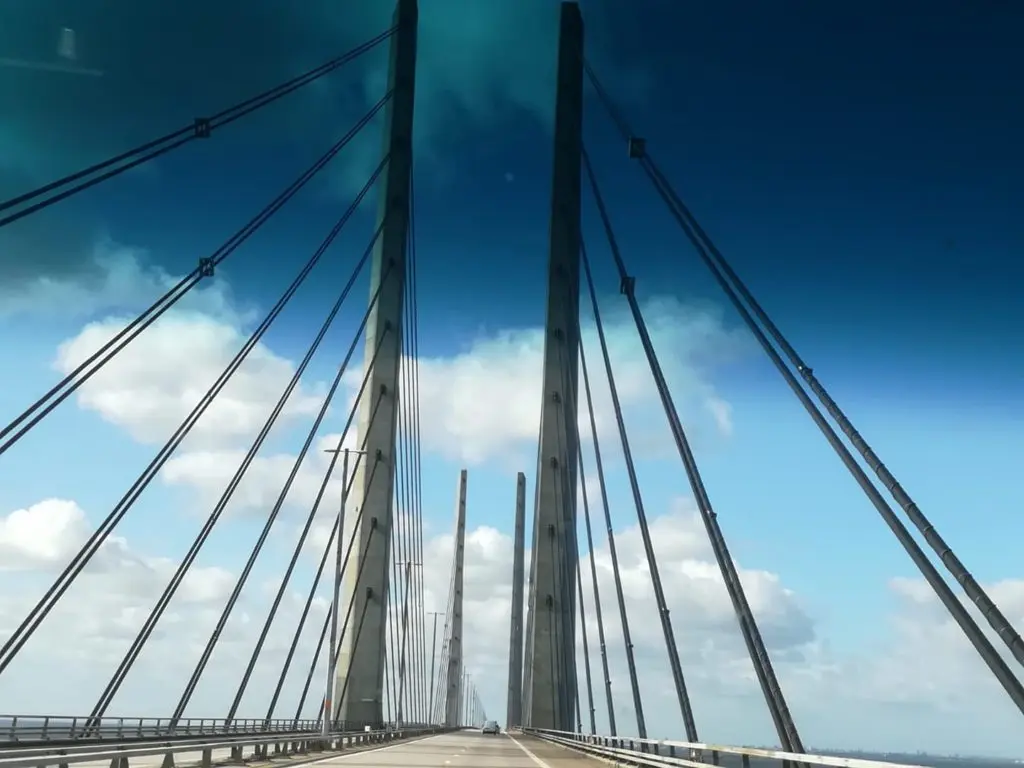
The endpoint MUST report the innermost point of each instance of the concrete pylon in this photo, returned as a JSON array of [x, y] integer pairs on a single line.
[[453, 695], [550, 695], [360, 674], [514, 717]]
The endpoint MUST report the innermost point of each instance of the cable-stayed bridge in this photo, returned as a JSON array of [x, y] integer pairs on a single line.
[[395, 691]]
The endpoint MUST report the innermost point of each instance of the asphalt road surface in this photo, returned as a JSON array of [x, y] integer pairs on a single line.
[[465, 749]]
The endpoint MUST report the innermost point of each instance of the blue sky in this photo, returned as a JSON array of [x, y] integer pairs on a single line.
[[857, 163]]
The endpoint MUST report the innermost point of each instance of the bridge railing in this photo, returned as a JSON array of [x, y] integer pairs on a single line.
[[119, 755], [665, 753], [19, 729]]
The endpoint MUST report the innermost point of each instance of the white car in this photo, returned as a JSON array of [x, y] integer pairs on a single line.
[[491, 726]]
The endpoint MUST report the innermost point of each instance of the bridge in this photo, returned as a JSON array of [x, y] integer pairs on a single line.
[[382, 686]]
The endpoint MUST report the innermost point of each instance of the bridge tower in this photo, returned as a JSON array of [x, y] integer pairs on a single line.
[[514, 717], [549, 697], [454, 673], [360, 673]]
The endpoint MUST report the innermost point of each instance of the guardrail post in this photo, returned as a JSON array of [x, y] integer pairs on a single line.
[[205, 761], [64, 764], [120, 762], [168, 761]]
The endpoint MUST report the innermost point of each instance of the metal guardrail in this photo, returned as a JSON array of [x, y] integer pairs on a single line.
[[27, 748], [18, 729], [663, 753], [283, 743]]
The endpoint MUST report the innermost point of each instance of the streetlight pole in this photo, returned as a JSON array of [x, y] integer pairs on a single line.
[[433, 661], [336, 601]]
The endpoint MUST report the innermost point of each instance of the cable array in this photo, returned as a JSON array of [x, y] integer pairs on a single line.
[[790, 366], [440, 682], [406, 671], [405, 676], [206, 268], [416, 691], [564, 550], [779, 351], [201, 128]]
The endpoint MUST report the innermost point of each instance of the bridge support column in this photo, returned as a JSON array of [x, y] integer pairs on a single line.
[[550, 689], [360, 671], [453, 675], [514, 717]]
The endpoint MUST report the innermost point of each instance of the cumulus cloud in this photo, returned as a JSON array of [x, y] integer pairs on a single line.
[[107, 605], [114, 277], [104, 610], [153, 383], [485, 402], [924, 670], [482, 404], [207, 472]]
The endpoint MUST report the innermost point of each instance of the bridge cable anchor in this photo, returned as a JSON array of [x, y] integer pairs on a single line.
[[202, 128], [206, 267], [637, 147]]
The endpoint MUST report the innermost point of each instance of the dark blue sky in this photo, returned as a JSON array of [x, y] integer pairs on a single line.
[[860, 163]]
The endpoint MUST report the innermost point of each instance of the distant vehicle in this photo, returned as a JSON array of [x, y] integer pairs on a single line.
[[491, 726]]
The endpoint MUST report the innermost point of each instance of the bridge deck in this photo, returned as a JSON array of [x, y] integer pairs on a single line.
[[463, 749], [467, 749]]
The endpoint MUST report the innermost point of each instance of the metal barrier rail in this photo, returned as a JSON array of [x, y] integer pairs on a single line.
[[119, 756], [652, 752], [45, 748], [21, 728]]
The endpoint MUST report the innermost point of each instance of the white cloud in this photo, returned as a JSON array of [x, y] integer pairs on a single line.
[[104, 610], [924, 669], [208, 472], [119, 278], [107, 605], [484, 403], [154, 382], [480, 406], [42, 534], [922, 688], [47, 535]]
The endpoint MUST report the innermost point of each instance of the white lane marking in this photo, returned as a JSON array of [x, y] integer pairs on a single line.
[[537, 761], [361, 752]]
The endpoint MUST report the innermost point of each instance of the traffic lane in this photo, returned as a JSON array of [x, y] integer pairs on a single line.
[[544, 754], [463, 749]]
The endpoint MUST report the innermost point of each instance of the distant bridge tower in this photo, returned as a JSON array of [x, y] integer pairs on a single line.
[[550, 678], [453, 678], [514, 717], [360, 671]]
